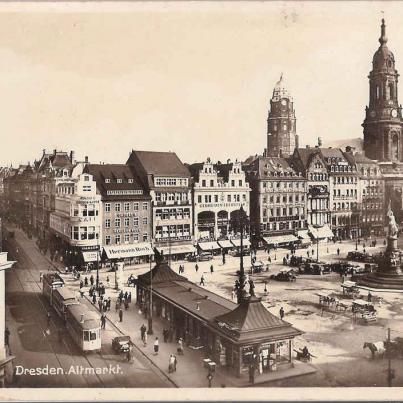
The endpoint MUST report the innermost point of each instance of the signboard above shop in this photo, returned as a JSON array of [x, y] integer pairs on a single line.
[[128, 250]]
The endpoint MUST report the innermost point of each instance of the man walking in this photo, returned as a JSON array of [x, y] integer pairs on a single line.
[[338, 251], [282, 313], [143, 331], [103, 321], [202, 280], [120, 315], [211, 269], [197, 267], [156, 346]]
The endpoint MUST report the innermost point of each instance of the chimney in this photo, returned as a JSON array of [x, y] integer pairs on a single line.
[[197, 306], [72, 156], [86, 159], [82, 318]]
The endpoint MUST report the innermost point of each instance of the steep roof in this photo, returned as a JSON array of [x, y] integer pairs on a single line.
[[251, 319], [160, 163], [161, 273], [114, 172]]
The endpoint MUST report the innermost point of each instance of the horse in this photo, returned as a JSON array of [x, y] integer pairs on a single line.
[[376, 348]]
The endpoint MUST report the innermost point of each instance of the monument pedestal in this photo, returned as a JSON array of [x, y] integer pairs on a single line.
[[389, 273]]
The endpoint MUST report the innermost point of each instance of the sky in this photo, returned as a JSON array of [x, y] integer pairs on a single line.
[[194, 78]]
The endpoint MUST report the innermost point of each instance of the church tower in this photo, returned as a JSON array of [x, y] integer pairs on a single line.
[[383, 117], [281, 123]]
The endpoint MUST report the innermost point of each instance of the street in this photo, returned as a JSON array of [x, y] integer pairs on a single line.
[[37, 345]]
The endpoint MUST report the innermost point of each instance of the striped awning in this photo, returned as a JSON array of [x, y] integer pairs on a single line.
[[176, 250], [226, 244]]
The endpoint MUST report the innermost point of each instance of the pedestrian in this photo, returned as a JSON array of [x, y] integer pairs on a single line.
[[202, 280], [145, 339], [369, 296], [196, 267], [338, 251], [129, 354], [313, 251], [180, 346], [103, 321], [107, 281], [100, 304], [126, 295], [171, 367], [211, 269], [307, 252], [223, 258], [143, 330], [117, 305], [92, 279], [94, 298], [86, 281], [108, 304], [126, 303], [282, 313], [156, 346], [269, 259], [120, 315], [81, 284], [364, 250], [165, 334], [7, 337], [130, 296]]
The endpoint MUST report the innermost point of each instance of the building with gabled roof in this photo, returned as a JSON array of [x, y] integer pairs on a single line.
[[167, 180]]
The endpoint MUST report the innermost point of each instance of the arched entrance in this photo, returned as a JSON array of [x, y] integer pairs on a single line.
[[206, 224]]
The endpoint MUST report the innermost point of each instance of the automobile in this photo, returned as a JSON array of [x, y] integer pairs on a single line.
[[360, 256], [237, 252], [121, 344], [201, 257], [316, 268], [284, 275], [257, 267]]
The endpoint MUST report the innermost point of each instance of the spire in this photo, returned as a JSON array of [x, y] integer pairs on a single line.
[[383, 39]]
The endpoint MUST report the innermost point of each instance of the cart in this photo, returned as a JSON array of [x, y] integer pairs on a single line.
[[121, 344]]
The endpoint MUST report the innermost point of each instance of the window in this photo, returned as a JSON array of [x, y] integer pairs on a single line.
[[228, 198], [215, 198], [145, 220], [117, 239], [135, 221], [130, 180], [127, 221], [108, 239], [127, 206], [240, 182], [145, 206], [127, 238], [83, 233], [107, 181], [75, 233], [135, 206], [203, 183], [199, 199], [107, 223], [117, 222], [119, 180], [117, 207], [136, 237], [145, 237], [232, 182], [211, 182]]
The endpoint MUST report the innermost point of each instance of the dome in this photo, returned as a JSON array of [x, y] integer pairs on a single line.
[[280, 91], [383, 57]]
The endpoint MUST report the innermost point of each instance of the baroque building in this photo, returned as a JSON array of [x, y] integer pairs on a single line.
[[383, 116], [281, 123]]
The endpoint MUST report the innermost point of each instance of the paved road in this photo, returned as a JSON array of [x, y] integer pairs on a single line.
[[39, 345]]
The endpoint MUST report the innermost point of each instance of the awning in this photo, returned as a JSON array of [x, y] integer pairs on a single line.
[[321, 232], [208, 246], [349, 284], [237, 242], [279, 239], [177, 249], [90, 256], [225, 244], [128, 250], [304, 235]]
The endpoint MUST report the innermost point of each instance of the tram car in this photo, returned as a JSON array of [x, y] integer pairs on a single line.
[[84, 327], [50, 282], [83, 324]]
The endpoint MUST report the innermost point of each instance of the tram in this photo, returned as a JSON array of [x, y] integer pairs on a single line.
[[84, 327], [83, 324]]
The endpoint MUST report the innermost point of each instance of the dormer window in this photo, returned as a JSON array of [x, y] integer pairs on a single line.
[[119, 180], [130, 180], [107, 181]]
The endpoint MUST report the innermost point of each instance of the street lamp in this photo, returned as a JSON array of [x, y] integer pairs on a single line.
[[150, 310]]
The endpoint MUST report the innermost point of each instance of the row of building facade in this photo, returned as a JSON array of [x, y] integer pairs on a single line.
[[154, 201]]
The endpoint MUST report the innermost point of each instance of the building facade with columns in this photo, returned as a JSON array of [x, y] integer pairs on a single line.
[[218, 192]]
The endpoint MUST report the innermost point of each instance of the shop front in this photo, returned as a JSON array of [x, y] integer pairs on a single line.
[[176, 252], [128, 253]]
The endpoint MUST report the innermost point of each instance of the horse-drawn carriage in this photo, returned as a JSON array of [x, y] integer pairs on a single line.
[[350, 289], [365, 309]]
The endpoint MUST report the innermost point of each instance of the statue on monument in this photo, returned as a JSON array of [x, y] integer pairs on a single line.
[[393, 227]]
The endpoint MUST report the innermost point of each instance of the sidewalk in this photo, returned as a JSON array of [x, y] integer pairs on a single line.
[[190, 371]]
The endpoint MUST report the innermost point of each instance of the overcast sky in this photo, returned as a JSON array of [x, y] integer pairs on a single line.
[[191, 78]]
